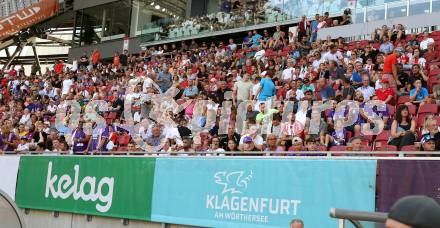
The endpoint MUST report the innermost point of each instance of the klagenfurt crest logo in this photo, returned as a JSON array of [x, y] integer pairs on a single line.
[[233, 182], [241, 200]]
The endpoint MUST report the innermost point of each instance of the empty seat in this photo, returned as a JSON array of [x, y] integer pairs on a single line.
[[408, 148], [412, 109], [403, 100], [428, 108], [338, 148], [366, 148], [388, 149], [391, 110], [383, 136], [321, 148]]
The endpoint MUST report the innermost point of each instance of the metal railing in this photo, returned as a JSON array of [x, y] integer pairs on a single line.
[[356, 217], [261, 154]]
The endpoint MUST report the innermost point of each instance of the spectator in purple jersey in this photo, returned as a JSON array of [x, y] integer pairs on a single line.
[[79, 140], [8, 140], [99, 139]]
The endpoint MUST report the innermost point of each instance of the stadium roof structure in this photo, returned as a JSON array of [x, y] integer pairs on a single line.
[[52, 29]]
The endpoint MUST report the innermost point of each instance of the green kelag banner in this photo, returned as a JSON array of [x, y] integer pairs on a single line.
[[106, 186]]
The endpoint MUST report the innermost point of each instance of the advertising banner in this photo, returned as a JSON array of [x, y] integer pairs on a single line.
[[399, 178], [107, 186], [28, 16], [259, 192], [8, 174]]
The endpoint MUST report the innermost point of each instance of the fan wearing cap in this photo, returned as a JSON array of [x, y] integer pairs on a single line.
[[253, 135], [297, 144], [385, 94], [248, 144], [428, 143], [414, 212]]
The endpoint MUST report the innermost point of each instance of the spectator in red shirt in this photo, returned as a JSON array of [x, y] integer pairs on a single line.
[[12, 73], [96, 55], [385, 94], [59, 67], [390, 69]]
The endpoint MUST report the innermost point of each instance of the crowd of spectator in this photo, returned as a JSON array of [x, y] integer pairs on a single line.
[[274, 73]]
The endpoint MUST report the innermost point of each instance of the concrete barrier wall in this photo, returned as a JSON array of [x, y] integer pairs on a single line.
[[46, 219]]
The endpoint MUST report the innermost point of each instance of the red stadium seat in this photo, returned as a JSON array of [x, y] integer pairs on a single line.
[[321, 148], [338, 148], [412, 109], [383, 136], [434, 72], [428, 108], [122, 148], [366, 148], [408, 148], [403, 100], [387, 149], [432, 82], [367, 138], [435, 33], [391, 110]]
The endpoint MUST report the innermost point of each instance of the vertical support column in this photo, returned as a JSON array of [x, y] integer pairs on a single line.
[[188, 9], [407, 8], [37, 59], [104, 16], [134, 21], [365, 14], [7, 52], [386, 11], [430, 6]]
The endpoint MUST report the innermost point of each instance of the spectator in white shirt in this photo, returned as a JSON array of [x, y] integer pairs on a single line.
[[366, 89], [232, 46], [294, 92], [287, 74], [426, 40], [333, 54], [67, 83], [25, 117]]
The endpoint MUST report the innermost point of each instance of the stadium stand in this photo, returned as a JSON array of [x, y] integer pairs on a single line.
[[270, 70]]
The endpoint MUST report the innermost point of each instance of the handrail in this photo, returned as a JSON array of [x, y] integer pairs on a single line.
[[280, 154], [378, 217]]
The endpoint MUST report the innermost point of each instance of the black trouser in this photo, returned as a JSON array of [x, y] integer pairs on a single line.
[[407, 139]]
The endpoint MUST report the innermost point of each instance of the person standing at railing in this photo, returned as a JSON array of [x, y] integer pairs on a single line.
[[302, 28], [414, 212]]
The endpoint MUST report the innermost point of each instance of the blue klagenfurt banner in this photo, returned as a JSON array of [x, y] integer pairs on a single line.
[[239, 192]]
